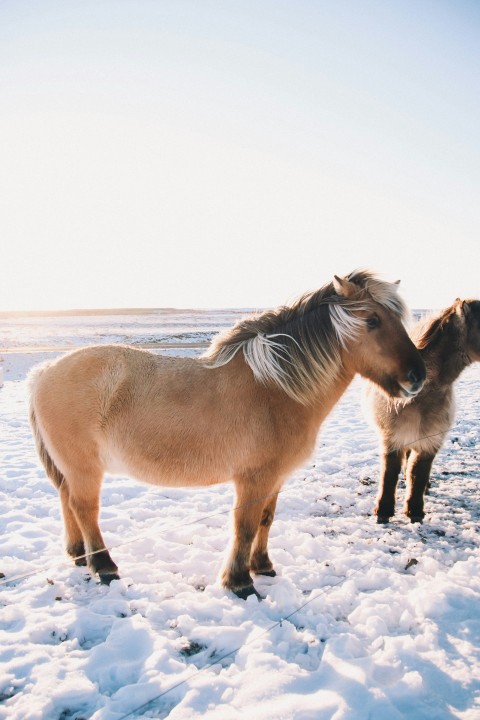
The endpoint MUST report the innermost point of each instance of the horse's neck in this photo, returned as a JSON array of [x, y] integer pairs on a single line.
[[446, 359], [328, 396], [309, 415]]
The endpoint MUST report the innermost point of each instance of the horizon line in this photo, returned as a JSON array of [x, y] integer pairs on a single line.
[[6, 314]]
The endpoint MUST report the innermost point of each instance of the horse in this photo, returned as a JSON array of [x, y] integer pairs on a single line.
[[413, 430], [248, 410]]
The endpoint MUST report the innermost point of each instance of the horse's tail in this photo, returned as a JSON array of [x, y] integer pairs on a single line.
[[50, 468]]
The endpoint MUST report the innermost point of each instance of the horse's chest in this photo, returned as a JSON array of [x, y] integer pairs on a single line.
[[405, 426], [421, 427]]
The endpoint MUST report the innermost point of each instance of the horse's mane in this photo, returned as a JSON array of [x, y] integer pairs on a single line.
[[429, 329], [298, 346]]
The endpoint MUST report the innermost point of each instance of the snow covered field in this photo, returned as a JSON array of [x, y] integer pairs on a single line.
[[362, 622]]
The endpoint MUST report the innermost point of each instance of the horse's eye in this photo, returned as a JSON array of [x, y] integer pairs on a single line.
[[373, 322]]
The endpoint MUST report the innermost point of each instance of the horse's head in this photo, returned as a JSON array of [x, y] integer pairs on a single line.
[[469, 313], [379, 349]]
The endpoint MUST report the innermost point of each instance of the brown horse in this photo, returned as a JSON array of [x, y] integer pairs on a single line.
[[249, 411], [412, 431]]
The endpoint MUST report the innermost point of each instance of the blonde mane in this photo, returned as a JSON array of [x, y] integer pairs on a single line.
[[298, 346]]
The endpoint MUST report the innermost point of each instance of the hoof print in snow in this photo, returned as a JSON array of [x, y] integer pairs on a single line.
[[191, 648]]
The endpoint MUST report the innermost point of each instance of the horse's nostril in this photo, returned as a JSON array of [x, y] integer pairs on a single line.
[[415, 376], [412, 376]]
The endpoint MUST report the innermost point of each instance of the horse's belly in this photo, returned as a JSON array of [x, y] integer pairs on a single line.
[[170, 472]]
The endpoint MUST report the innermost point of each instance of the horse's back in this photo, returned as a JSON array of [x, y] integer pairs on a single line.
[[99, 372]]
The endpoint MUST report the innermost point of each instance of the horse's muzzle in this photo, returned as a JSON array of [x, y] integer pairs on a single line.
[[416, 380]]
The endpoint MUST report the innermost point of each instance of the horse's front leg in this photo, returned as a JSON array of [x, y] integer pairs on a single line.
[[392, 464], [260, 562], [247, 514], [418, 475]]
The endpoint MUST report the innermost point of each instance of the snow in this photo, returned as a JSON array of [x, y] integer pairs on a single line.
[[363, 621]]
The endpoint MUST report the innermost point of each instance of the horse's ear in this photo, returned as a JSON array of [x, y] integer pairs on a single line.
[[462, 308], [397, 283], [344, 287]]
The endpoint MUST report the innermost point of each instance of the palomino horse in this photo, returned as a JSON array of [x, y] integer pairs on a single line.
[[416, 428], [249, 411]]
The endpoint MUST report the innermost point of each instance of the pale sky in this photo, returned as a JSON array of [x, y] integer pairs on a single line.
[[197, 153]]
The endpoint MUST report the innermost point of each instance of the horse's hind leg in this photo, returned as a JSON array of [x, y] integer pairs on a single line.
[[84, 504], [260, 562], [418, 475], [392, 464], [73, 535]]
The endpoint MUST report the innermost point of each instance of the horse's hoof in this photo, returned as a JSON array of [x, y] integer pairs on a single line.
[[268, 573], [244, 593], [77, 553], [416, 518], [383, 519], [107, 578]]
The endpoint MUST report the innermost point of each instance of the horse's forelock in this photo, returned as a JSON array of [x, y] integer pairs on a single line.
[[382, 292], [345, 323]]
